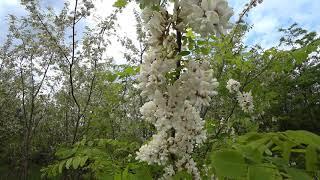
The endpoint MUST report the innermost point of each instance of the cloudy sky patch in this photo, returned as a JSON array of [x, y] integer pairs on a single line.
[[271, 15], [266, 19]]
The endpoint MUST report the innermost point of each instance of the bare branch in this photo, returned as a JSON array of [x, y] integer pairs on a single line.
[[71, 72], [44, 76]]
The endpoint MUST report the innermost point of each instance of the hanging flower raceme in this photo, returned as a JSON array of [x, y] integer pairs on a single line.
[[233, 86], [173, 103], [314, 57], [205, 17], [244, 99]]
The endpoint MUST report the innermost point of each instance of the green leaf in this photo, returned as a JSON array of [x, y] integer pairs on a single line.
[[68, 163], [191, 44], [287, 146], [65, 153], [304, 137], [83, 160], [262, 172], [120, 3], [61, 165], [268, 152], [117, 176], [250, 153], [311, 158], [229, 163], [129, 70], [252, 136], [137, 172], [76, 162], [190, 34], [54, 170], [90, 143], [205, 51], [182, 175], [111, 77], [184, 53], [297, 174], [147, 3], [277, 161], [201, 42]]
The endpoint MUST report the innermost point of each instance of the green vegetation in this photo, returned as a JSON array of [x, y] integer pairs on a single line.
[[68, 112]]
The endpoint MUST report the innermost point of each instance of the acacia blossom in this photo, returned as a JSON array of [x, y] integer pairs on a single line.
[[313, 57], [233, 86], [173, 102], [244, 99], [205, 17]]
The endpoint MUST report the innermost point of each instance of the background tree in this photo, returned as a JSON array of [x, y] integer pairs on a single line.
[[67, 111]]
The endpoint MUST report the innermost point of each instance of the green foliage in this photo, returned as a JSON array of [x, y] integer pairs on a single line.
[[98, 158], [290, 154], [154, 4], [38, 126], [136, 172], [229, 164], [120, 3], [182, 175], [184, 53], [128, 71]]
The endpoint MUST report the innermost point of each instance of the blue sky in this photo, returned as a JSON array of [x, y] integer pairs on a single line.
[[267, 18], [7, 7], [14, 7], [271, 15]]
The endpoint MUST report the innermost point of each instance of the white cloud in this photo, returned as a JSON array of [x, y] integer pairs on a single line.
[[126, 21], [267, 18], [265, 24], [271, 15], [9, 2]]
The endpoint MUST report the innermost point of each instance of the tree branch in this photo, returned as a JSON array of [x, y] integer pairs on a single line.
[[44, 76], [70, 72], [52, 37]]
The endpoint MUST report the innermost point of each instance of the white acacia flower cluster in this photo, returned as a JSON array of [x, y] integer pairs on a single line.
[[205, 16], [173, 108], [314, 57], [168, 172], [244, 99], [233, 86]]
